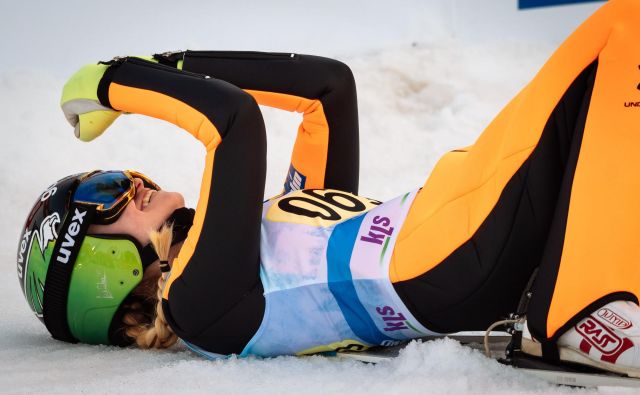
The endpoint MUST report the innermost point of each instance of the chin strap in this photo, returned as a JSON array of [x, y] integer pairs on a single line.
[[148, 256], [182, 220]]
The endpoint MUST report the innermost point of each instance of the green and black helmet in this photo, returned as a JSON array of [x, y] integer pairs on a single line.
[[74, 282]]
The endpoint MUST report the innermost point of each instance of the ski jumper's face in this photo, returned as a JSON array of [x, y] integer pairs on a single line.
[[146, 212]]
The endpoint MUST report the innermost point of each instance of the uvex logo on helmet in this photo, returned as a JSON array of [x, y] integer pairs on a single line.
[[44, 234], [69, 236]]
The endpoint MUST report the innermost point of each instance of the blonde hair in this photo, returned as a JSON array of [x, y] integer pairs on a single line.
[[148, 330]]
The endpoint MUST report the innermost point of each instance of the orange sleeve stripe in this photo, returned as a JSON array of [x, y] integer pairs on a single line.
[[161, 106], [158, 105], [311, 148]]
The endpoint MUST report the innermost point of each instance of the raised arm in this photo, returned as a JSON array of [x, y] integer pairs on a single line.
[[326, 151], [214, 283]]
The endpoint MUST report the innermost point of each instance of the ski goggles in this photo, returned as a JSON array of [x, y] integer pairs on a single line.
[[89, 276], [109, 192]]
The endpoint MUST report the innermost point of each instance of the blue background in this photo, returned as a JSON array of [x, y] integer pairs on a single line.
[[544, 3]]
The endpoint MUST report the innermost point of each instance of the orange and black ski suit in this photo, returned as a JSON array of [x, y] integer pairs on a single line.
[[552, 183]]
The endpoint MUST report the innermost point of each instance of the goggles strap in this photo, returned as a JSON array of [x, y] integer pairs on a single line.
[[63, 258], [182, 220]]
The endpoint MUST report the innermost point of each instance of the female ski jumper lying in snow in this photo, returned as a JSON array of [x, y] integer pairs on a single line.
[[551, 186]]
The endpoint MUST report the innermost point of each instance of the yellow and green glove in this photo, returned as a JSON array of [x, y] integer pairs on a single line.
[[81, 105]]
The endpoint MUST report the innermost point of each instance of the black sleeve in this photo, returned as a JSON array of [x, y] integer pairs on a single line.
[[322, 89], [213, 297]]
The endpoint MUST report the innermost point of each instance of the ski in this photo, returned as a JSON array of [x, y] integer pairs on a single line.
[[571, 375], [567, 374], [581, 379], [497, 345]]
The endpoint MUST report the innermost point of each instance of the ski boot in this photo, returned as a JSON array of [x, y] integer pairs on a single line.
[[608, 339]]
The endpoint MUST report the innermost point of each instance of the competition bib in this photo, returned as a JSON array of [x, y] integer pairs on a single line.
[[325, 258]]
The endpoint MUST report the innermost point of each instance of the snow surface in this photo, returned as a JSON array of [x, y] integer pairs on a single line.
[[416, 101]]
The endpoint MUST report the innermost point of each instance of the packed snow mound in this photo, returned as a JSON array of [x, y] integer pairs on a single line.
[[415, 103], [439, 367]]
